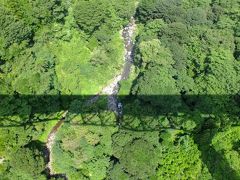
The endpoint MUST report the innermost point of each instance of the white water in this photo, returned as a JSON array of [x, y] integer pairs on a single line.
[[112, 89]]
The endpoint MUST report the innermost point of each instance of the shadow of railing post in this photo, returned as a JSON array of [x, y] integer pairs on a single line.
[[26, 105]]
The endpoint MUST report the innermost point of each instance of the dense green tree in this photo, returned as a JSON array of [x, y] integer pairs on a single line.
[[36, 12], [124, 8], [218, 64], [13, 29], [132, 151], [139, 159], [237, 42], [99, 57], [36, 75], [153, 52], [196, 16], [117, 172], [237, 49], [88, 153], [175, 32], [180, 159], [90, 15], [196, 3], [158, 86], [151, 29], [220, 151], [227, 144], [22, 161], [178, 105], [169, 10]]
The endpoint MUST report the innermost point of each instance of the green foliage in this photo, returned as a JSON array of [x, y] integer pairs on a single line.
[[35, 75], [158, 74], [160, 86], [124, 8], [137, 153], [126, 85], [139, 159], [175, 32], [36, 12], [152, 29], [99, 57], [19, 19], [180, 159], [90, 15], [215, 81], [76, 67], [117, 172], [222, 153], [42, 52], [24, 159], [196, 16], [13, 30], [196, 3], [182, 97], [153, 52], [88, 154], [188, 54], [170, 11]]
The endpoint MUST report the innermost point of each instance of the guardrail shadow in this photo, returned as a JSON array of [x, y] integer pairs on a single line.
[[40, 108], [139, 113]]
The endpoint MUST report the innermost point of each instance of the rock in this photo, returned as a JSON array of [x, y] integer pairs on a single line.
[[1, 160]]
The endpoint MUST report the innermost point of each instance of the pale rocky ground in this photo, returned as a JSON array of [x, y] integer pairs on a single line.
[[1, 160], [49, 145], [50, 142]]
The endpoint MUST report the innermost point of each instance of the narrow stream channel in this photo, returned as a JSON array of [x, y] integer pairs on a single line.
[[127, 35], [111, 90]]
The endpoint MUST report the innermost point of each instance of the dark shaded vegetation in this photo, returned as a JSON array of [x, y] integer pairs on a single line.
[[27, 105]]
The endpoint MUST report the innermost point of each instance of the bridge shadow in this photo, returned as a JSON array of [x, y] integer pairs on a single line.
[[192, 113], [138, 113], [167, 103], [45, 107]]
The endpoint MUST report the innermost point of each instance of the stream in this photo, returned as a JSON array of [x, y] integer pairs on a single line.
[[111, 90]]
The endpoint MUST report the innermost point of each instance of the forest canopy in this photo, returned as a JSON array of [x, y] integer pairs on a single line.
[[179, 107]]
